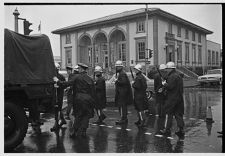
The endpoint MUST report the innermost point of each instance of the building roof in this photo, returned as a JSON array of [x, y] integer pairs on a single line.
[[129, 14]]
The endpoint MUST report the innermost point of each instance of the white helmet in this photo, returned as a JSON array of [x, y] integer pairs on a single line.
[[170, 65], [119, 63], [98, 69], [138, 67], [76, 68], [162, 66], [57, 66]]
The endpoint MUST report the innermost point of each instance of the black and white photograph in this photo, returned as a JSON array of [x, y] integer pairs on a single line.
[[111, 77]]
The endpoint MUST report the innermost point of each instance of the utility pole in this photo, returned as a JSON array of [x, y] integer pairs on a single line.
[[16, 14], [146, 51]]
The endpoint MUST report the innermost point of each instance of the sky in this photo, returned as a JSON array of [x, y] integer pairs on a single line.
[[52, 17]]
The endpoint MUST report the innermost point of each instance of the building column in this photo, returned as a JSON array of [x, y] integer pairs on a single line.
[[155, 40], [127, 46], [93, 55], [109, 56]]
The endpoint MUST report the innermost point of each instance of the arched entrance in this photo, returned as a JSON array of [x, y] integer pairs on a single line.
[[85, 50], [101, 55], [117, 47]]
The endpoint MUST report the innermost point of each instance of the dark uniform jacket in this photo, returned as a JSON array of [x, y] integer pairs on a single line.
[[159, 97], [123, 90], [174, 98], [100, 93], [140, 98], [71, 92], [85, 97], [60, 90]]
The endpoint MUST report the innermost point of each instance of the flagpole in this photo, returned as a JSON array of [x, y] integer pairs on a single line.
[[40, 27]]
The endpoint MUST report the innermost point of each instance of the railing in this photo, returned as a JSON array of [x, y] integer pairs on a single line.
[[187, 71]]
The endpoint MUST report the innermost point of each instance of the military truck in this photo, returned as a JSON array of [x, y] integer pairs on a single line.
[[28, 77]]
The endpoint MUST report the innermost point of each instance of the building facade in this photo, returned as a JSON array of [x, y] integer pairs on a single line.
[[127, 36], [213, 55]]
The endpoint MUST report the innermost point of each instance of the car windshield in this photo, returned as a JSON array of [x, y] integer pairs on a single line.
[[214, 72]]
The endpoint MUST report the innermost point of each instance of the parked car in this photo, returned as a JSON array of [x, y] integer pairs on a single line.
[[110, 87], [212, 77]]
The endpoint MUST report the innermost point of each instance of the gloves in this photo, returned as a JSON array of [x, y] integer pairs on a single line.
[[163, 82], [55, 79], [160, 90]]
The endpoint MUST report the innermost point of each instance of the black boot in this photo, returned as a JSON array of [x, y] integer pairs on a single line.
[[122, 121], [98, 122], [55, 127], [180, 133], [102, 117], [165, 132], [142, 123], [138, 122]]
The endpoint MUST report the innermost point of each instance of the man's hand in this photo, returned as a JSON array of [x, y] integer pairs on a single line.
[[160, 90], [163, 82], [55, 79]]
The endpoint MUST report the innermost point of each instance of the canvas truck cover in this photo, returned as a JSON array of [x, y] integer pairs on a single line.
[[28, 59]]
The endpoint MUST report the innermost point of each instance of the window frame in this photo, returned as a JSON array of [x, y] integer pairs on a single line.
[[187, 52], [213, 57], [199, 38], [68, 38], [186, 34], [139, 41], [194, 61], [179, 51], [68, 55], [178, 31], [200, 56], [142, 23], [209, 57], [193, 36]]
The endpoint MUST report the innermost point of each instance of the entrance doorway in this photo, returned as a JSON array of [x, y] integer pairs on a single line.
[[170, 54]]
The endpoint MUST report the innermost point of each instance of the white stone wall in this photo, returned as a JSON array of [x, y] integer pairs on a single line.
[[212, 46]]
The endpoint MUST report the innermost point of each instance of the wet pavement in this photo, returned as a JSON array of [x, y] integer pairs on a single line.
[[200, 136]]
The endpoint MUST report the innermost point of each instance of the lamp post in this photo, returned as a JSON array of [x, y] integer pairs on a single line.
[[146, 51], [16, 14]]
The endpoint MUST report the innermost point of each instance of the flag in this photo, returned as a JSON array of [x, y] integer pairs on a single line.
[[39, 26]]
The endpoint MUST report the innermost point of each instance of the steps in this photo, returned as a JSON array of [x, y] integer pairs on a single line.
[[188, 73]]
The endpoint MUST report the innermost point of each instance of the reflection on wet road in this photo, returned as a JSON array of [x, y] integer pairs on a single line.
[[200, 136]]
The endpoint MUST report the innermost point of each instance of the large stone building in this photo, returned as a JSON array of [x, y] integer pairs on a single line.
[[126, 36], [213, 55]]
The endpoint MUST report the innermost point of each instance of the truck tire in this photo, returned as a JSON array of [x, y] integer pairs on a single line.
[[15, 125]]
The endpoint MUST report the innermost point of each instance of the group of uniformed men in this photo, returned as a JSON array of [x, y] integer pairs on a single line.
[[86, 94]]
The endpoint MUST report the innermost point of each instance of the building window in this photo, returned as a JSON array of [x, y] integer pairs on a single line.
[[209, 57], [68, 53], [213, 57], [122, 51], [186, 52], [141, 49], [194, 53], [170, 28], [179, 51], [193, 36], [217, 58], [199, 54], [186, 34], [178, 31], [199, 38], [97, 53], [140, 26], [89, 55], [68, 39]]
